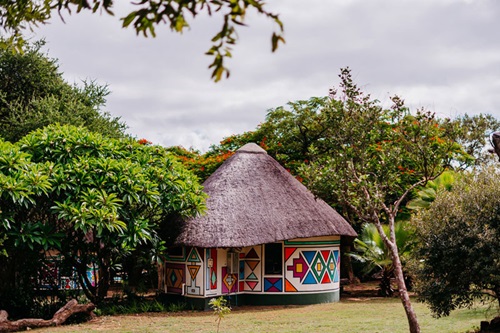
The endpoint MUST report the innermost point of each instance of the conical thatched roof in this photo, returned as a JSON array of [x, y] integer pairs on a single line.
[[253, 200]]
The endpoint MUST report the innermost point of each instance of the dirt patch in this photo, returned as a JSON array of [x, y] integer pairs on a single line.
[[360, 290]]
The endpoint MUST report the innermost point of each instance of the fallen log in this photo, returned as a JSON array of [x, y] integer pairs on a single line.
[[71, 308]]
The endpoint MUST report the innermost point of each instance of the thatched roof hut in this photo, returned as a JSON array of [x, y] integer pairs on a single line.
[[253, 200]]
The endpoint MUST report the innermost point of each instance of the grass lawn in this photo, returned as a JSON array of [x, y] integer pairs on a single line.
[[351, 315]]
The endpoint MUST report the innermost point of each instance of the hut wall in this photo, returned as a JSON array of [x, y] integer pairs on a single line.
[[312, 265], [309, 266], [196, 272], [183, 272]]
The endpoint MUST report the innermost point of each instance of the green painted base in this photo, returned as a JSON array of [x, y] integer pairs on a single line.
[[257, 299], [290, 298]]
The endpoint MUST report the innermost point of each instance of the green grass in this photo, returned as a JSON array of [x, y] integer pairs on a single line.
[[364, 316]]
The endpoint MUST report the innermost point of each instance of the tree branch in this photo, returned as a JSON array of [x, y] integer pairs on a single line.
[[71, 308]]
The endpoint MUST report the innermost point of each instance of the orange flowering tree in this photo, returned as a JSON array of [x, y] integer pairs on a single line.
[[202, 165], [373, 158]]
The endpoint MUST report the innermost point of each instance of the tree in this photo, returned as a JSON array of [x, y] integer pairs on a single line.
[[459, 253], [470, 132], [101, 198], [287, 134], [376, 158], [221, 309], [16, 16], [33, 94], [202, 165]]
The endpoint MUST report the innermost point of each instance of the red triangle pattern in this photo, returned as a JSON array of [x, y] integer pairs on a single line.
[[251, 284], [325, 254], [289, 251], [326, 279]]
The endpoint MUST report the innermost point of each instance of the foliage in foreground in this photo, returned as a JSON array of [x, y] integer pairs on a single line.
[[459, 247], [90, 198], [17, 16], [221, 309]]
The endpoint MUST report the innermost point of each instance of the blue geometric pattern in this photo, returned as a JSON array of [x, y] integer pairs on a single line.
[[273, 284], [309, 279], [309, 255]]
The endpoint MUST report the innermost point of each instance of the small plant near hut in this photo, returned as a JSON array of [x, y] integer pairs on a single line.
[[221, 309]]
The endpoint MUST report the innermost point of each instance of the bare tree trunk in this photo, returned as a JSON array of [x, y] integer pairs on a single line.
[[60, 317], [398, 271], [346, 265], [403, 292]]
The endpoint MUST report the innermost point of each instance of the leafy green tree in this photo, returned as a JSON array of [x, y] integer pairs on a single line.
[[16, 16], [459, 250], [21, 182], [287, 134], [375, 158], [103, 197], [33, 94], [471, 133]]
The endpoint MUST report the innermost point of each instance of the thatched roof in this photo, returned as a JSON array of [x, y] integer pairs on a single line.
[[253, 200]]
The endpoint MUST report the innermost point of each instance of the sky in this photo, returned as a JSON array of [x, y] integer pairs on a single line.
[[441, 55]]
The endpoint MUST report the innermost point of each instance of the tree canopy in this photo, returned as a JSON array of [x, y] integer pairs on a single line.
[[458, 248], [33, 94], [89, 197], [16, 16]]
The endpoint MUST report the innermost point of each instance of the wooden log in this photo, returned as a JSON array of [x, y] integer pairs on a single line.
[[71, 308]]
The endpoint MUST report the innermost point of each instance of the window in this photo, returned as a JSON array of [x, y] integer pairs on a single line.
[[273, 259], [176, 251]]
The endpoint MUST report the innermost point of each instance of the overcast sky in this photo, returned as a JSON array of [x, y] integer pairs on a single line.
[[443, 55]]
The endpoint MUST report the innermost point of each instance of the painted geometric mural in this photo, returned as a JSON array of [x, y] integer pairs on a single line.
[[211, 269], [312, 267], [252, 271], [229, 282], [174, 276], [193, 256], [193, 267], [241, 272], [273, 284]]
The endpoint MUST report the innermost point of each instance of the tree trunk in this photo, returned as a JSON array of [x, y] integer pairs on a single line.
[[103, 281], [71, 308], [403, 292], [346, 265], [398, 271], [385, 283]]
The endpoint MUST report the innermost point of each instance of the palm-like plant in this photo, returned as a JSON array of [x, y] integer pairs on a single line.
[[371, 251], [427, 195]]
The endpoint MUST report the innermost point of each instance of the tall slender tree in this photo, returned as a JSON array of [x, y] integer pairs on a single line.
[[375, 158]]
